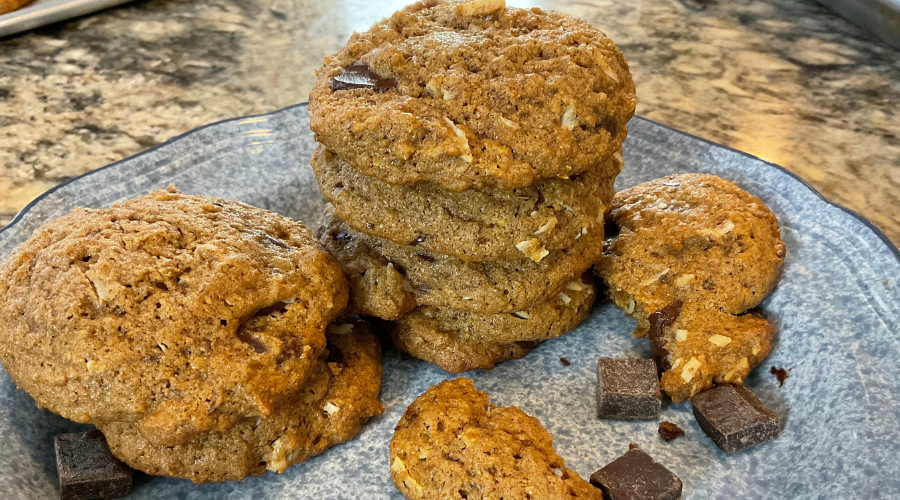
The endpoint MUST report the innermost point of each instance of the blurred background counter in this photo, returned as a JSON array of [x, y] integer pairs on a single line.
[[786, 80]]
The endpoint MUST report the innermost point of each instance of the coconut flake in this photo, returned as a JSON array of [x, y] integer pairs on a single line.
[[330, 408]]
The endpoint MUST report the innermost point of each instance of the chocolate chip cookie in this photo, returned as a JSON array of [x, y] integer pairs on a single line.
[[423, 337], [475, 225], [176, 314], [474, 94], [691, 238], [330, 408], [388, 280], [451, 443], [547, 320], [696, 347]]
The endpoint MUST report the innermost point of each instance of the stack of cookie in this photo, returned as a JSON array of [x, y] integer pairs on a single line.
[[469, 152]]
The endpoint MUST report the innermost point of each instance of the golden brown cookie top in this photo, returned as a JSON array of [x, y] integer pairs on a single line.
[[474, 94], [451, 444], [691, 237], [180, 312]]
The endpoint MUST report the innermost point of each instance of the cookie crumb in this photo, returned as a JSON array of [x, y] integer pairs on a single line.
[[565, 362], [669, 431], [781, 374]]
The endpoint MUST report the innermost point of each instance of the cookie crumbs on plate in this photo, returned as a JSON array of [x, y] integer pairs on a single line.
[[781, 374], [565, 362], [669, 431]]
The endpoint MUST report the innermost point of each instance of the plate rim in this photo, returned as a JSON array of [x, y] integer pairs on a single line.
[[866, 222]]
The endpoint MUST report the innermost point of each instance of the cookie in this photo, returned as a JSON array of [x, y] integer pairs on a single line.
[[178, 314], [388, 280], [451, 443], [423, 338], [696, 347], [7, 6], [329, 409], [690, 237], [476, 225], [547, 320], [474, 94]]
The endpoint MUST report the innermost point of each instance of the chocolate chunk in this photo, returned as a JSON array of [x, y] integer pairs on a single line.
[[627, 389], [361, 76], [659, 321], [636, 476], [87, 469], [669, 431], [248, 338], [276, 308], [565, 362], [781, 374], [734, 418]]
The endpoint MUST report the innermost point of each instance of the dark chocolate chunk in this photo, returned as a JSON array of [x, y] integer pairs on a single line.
[[627, 389], [565, 362], [669, 431], [87, 469], [636, 476], [781, 374], [734, 418], [248, 338], [659, 321], [276, 308], [361, 76]]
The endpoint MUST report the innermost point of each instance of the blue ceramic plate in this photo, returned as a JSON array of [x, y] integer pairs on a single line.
[[837, 311]]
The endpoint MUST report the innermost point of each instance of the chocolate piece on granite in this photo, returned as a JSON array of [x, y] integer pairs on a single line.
[[627, 389], [87, 469], [636, 476], [734, 418]]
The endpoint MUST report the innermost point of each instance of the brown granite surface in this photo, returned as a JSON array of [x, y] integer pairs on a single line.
[[785, 80]]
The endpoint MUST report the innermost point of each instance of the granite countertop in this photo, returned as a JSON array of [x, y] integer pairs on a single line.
[[785, 80]]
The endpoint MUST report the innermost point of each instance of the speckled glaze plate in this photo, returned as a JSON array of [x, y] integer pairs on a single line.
[[837, 311]]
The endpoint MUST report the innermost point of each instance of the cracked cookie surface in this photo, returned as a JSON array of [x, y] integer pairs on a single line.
[[474, 225], [340, 396], [691, 238], [451, 444], [388, 280], [474, 94], [180, 314]]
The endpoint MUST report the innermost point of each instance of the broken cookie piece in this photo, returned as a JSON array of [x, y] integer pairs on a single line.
[[699, 347], [451, 444], [87, 469], [734, 418], [690, 238], [627, 389], [636, 476]]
